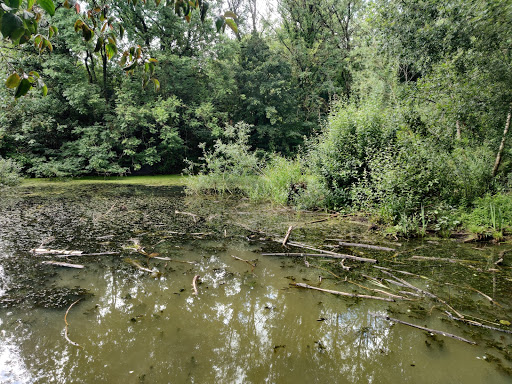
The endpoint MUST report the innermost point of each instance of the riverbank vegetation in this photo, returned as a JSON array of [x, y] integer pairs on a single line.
[[400, 110]]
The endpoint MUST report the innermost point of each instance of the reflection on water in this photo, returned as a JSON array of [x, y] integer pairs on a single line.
[[244, 326]]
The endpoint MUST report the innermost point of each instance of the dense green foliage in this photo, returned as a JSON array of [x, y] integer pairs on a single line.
[[399, 109]]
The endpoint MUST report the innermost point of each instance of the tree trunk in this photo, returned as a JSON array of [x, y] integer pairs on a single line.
[[502, 145]]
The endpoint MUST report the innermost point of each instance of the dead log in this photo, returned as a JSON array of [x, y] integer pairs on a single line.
[[65, 265], [67, 325], [194, 284], [330, 255], [446, 334], [359, 245], [302, 285]]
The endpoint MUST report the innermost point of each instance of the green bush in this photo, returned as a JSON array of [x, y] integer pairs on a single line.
[[352, 137], [491, 214], [229, 167], [10, 172]]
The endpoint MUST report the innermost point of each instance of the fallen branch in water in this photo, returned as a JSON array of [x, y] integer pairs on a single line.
[[431, 295], [173, 260], [477, 291], [476, 324], [43, 251], [65, 265], [66, 327], [378, 291], [447, 260], [287, 235], [89, 254], [194, 216], [302, 285], [330, 255], [194, 284], [154, 272], [446, 334], [245, 261], [359, 245], [402, 272]]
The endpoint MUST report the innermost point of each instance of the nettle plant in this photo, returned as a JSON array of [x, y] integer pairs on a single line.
[[22, 22]]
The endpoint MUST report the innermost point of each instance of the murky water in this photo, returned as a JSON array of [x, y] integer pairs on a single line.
[[246, 324]]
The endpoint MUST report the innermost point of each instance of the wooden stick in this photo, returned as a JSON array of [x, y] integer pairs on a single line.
[[88, 254], [424, 329], [378, 291], [287, 235], [66, 327], [301, 285], [477, 324], [331, 255], [65, 265], [194, 284], [42, 251], [245, 261], [447, 260], [359, 245], [408, 285], [173, 260]]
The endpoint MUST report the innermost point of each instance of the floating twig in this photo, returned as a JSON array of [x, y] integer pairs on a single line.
[[446, 334], [67, 325], [444, 259], [245, 261], [476, 324], [194, 284], [65, 265], [359, 245], [331, 255], [409, 285], [43, 251], [302, 285]]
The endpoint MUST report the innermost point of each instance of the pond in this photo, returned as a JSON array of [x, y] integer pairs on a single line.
[[131, 315]]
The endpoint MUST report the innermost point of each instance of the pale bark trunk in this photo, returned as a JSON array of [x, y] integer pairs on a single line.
[[502, 144]]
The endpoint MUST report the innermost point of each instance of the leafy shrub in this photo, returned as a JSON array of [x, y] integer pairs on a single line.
[[491, 213], [10, 172], [352, 137], [230, 166]]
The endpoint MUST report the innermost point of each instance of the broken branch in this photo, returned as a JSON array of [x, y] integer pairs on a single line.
[[302, 285], [330, 255], [65, 265], [66, 327], [359, 245], [446, 334], [194, 284]]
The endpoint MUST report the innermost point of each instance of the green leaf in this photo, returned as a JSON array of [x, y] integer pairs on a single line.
[[13, 81], [231, 24], [45, 90], [48, 6], [157, 84], [219, 22], [130, 67], [30, 4], [87, 32], [505, 322], [12, 26], [15, 4], [23, 88], [230, 14], [111, 50], [99, 44]]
